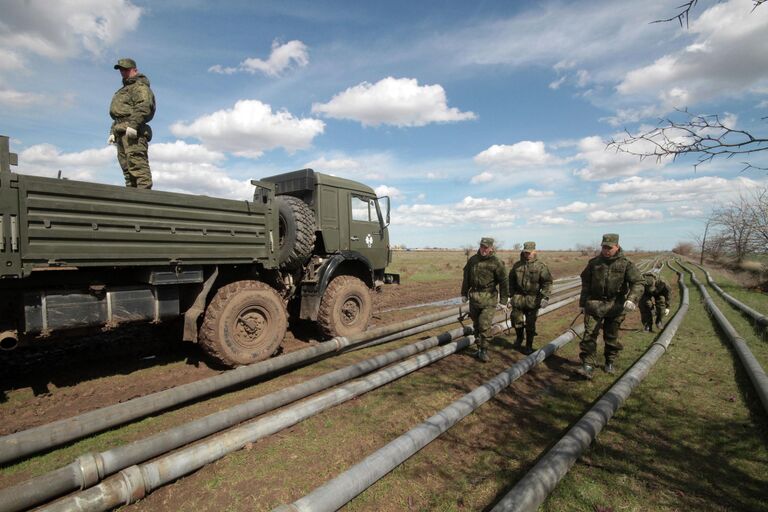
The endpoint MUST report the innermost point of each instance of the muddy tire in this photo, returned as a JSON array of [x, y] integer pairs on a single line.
[[297, 231], [346, 307], [244, 323]]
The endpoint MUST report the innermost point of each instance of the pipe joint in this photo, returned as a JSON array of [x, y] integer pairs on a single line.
[[133, 487], [91, 467]]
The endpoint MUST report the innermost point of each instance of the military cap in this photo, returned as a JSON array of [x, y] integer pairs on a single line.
[[611, 239], [125, 64], [529, 246], [487, 241]]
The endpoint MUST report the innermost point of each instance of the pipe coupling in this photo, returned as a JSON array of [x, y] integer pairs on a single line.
[[132, 485], [91, 468]]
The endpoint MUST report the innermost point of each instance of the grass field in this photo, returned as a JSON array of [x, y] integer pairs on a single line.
[[692, 436]]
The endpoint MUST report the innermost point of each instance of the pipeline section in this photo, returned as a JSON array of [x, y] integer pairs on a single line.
[[755, 372], [531, 491], [89, 469], [135, 482], [26, 442], [760, 319], [337, 492]]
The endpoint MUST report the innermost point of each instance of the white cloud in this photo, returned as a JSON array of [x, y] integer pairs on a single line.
[[654, 190], [47, 160], [250, 128], [637, 215], [539, 193], [727, 57], [65, 28], [575, 207], [386, 190], [550, 220], [604, 164], [521, 155], [685, 211], [471, 210], [12, 98], [483, 177], [395, 101], [281, 58]]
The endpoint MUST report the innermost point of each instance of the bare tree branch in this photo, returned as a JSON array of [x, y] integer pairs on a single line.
[[705, 135], [685, 13]]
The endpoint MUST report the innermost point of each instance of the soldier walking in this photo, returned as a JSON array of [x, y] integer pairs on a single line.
[[132, 107], [655, 296], [485, 287], [610, 287], [530, 284]]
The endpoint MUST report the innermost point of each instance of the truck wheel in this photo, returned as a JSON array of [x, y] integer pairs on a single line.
[[244, 323], [297, 231], [346, 307]]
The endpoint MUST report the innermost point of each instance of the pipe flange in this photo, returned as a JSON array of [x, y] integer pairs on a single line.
[[91, 469], [133, 485]]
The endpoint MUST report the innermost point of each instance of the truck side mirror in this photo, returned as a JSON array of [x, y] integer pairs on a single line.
[[384, 201]]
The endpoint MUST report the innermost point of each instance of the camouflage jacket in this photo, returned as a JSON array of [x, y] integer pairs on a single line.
[[655, 287], [607, 282], [133, 105], [530, 278], [485, 281]]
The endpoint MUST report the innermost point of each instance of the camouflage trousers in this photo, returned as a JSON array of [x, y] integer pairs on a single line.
[[588, 344], [134, 161], [482, 321], [524, 317], [647, 307]]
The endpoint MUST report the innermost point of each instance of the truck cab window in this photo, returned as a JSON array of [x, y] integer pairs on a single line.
[[364, 209]]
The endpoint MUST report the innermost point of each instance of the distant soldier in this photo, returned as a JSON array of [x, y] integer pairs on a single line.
[[655, 296], [530, 284], [610, 287], [132, 107], [485, 287]]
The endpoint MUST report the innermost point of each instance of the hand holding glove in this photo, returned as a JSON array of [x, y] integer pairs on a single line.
[[131, 133], [666, 312], [544, 302], [111, 138], [629, 306]]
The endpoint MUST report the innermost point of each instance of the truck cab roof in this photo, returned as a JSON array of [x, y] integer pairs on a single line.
[[306, 180]]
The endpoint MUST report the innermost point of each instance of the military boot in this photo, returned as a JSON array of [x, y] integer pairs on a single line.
[[647, 328], [658, 324], [519, 338], [585, 370], [609, 369], [529, 342], [482, 355]]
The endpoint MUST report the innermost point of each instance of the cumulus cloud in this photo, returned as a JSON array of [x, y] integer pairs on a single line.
[[12, 98], [550, 220], [65, 28], [655, 190], [575, 207], [685, 211], [726, 57], [47, 160], [471, 210], [250, 128], [394, 101], [283, 56], [604, 164], [386, 190], [539, 193], [483, 177], [636, 215], [521, 155]]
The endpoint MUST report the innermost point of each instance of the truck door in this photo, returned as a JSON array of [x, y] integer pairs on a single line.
[[366, 232]]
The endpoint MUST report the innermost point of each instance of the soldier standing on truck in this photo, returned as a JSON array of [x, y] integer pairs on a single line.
[[530, 284], [486, 289], [655, 296], [610, 287], [132, 107]]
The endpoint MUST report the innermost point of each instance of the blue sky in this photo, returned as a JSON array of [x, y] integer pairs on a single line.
[[485, 118]]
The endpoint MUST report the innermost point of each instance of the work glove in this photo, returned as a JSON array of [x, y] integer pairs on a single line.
[[666, 312], [629, 306], [119, 129], [501, 307], [111, 138], [464, 299], [131, 133], [544, 302], [509, 303]]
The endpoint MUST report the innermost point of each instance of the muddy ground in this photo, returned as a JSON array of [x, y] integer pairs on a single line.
[[66, 377]]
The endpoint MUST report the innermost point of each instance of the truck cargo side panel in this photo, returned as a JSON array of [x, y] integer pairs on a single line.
[[86, 224]]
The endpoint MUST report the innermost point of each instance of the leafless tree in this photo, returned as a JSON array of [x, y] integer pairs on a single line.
[[683, 248], [758, 205], [737, 225]]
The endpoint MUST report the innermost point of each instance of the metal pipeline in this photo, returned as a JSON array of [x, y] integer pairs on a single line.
[[9, 340], [337, 492], [19, 444], [760, 319], [755, 372], [89, 469], [135, 482], [535, 486]]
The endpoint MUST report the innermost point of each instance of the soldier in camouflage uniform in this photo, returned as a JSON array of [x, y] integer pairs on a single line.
[[530, 284], [132, 107], [483, 274], [610, 287], [655, 296]]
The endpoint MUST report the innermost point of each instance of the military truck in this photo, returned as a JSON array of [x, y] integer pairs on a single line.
[[77, 256]]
